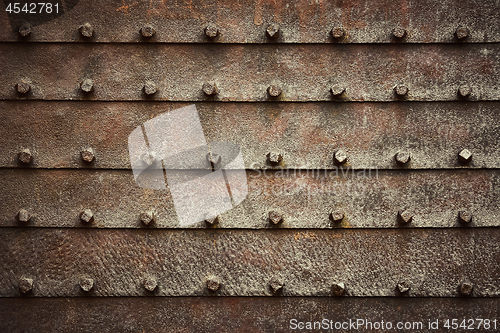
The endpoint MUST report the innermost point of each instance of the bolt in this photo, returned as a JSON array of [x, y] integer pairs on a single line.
[[147, 31], [465, 216], [149, 157], [465, 156], [462, 32], [209, 89], [214, 159], [276, 285], [405, 216], [403, 286], [275, 217], [150, 283], [87, 85], [274, 91], [338, 289], [399, 32], [87, 155], [87, 216], [86, 30], [337, 90], [25, 156], [147, 217], [403, 157], [401, 90], [23, 87], [23, 216], [273, 31], [149, 87], [274, 157], [337, 33], [337, 216], [211, 218], [211, 30], [340, 156], [465, 90], [213, 283], [25, 284], [466, 288], [25, 29], [86, 284]]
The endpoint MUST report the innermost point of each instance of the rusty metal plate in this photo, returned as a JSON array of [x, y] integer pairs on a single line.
[[221, 314], [305, 199], [66, 262], [308, 72], [306, 134], [247, 21]]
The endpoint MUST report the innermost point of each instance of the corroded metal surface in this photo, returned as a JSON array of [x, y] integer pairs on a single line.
[[216, 314], [305, 199], [305, 134], [416, 21], [306, 72]]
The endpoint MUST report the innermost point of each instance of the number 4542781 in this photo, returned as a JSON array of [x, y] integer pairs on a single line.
[[33, 8]]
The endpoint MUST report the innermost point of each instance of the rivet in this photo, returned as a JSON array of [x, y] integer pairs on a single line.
[[147, 31], [213, 159], [403, 286], [213, 283], [403, 157], [209, 89], [340, 157], [87, 216], [338, 289], [465, 156], [25, 156], [276, 285], [25, 284], [23, 87], [147, 217], [150, 283], [274, 157], [405, 216], [464, 90], [86, 30], [87, 85], [462, 32], [87, 155], [337, 33], [274, 91], [275, 217], [337, 216], [86, 284], [337, 90], [401, 90], [149, 88], [465, 216], [23, 216], [399, 32], [466, 288], [149, 157], [273, 31], [25, 29], [211, 30]]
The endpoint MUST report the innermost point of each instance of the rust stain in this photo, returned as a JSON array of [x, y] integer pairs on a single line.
[[125, 8], [301, 235]]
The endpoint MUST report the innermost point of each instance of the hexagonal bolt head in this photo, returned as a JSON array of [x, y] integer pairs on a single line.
[[399, 32], [274, 157], [275, 217], [209, 89], [403, 286], [149, 158], [211, 220], [273, 31], [276, 285], [338, 289], [211, 31], [213, 158], [340, 157], [337, 90], [337, 33], [147, 31], [405, 216], [147, 217], [87, 155], [149, 88], [465, 156], [87, 216], [86, 30], [23, 216], [464, 90], [403, 157], [401, 90], [465, 217], [87, 85], [466, 288], [337, 216], [25, 29], [150, 283], [213, 283], [462, 32], [86, 284], [274, 91], [23, 87], [25, 156], [25, 284]]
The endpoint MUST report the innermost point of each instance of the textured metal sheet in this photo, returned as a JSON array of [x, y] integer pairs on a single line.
[[55, 198], [246, 21], [431, 72], [306, 134], [241, 314], [369, 262]]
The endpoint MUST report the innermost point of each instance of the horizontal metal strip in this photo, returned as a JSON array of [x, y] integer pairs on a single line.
[[423, 21], [304, 199], [85, 262], [221, 314], [265, 72], [306, 135]]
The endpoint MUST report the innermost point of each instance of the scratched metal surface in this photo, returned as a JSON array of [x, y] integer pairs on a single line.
[[306, 72], [425, 21]]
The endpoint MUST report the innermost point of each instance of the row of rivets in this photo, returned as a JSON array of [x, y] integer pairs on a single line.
[[25, 155]]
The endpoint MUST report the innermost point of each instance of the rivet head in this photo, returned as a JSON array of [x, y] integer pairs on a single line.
[[337, 90], [274, 157], [211, 218], [87, 85], [213, 283], [340, 157], [25, 156], [87, 155], [25, 29], [150, 283], [338, 289], [149, 88], [337, 33], [276, 285], [465, 217], [147, 31], [211, 30], [273, 31], [214, 159], [275, 217], [86, 30], [86, 284], [209, 89], [23, 87], [465, 156], [87, 216], [462, 32], [405, 216], [25, 284], [147, 217], [274, 91], [464, 90], [403, 286], [399, 32], [23, 216], [403, 157], [337, 216], [149, 157], [401, 90], [466, 288]]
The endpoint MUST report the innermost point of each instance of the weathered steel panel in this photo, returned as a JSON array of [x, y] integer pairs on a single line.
[[306, 199], [432, 262], [305, 72], [306, 134], [425, 21]]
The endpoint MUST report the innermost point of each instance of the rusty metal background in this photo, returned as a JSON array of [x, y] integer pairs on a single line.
[[425, 21], [369, 262], [306, 134], [55, 198], [244, 72]]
